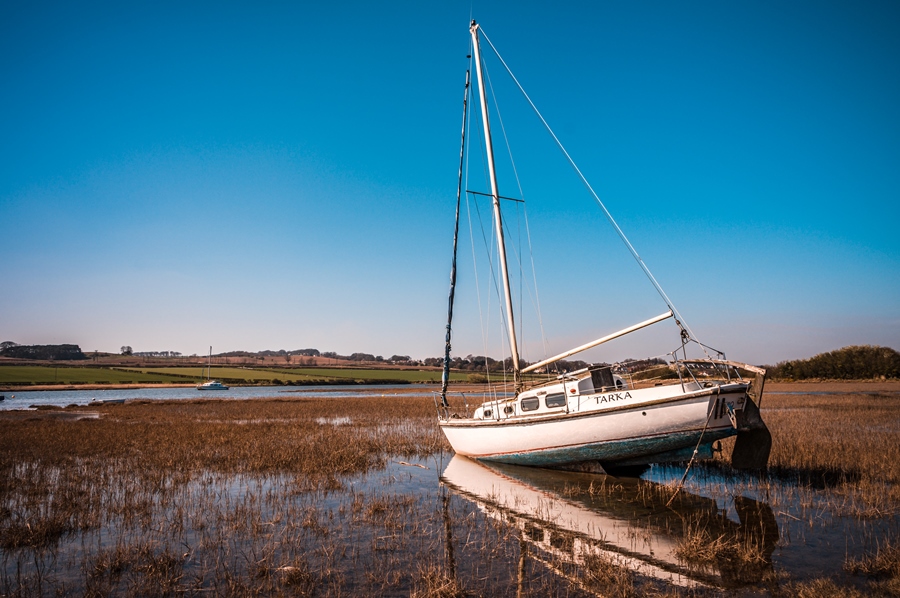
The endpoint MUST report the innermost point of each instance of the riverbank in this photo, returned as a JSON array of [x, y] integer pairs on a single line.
[[78, 397], [299, 385]]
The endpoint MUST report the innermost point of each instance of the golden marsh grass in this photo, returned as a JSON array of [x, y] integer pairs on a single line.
[[322, 496]]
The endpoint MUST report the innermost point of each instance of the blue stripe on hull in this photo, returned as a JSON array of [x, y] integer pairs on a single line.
[[633, 450]]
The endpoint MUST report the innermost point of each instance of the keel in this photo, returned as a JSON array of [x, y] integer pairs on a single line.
[[754, 441]]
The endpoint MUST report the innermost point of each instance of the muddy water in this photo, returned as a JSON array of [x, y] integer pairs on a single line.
[[30, 399], [488, 529], [573, 517], [817, 532], [61, 398], [633, 523]]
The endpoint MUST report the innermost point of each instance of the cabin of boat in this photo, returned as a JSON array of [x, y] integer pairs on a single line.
[[561, 396], [597, 388]]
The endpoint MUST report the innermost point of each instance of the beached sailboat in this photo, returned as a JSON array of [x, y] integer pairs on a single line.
[[598, 415], [211, 384]]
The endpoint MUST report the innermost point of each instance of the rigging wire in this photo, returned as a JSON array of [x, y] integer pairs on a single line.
[[475, 261], [678, 319], [471, 231], [518, 236], [489, 247], [504, 330], [535, 300], [545, 344]]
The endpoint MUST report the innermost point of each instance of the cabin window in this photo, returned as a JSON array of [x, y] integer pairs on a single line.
[[509, 409], [530, 404], [558, 400], [488, 412]]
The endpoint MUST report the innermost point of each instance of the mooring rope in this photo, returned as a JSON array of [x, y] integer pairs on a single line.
[[696, 448]]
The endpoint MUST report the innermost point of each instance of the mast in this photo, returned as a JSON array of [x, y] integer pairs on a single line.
[[501, 246]]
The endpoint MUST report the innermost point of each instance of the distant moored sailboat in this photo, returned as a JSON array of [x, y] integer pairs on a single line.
[[211, 384]]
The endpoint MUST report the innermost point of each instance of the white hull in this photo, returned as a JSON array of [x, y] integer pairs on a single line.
[[630, 426], [212, 385]]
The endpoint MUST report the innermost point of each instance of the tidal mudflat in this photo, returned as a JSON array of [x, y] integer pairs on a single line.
[[360, 495]]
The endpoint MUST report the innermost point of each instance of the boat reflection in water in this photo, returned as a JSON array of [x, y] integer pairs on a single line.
[[570, 518]]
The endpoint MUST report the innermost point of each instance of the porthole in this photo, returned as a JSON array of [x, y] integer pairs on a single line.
[[488, 413], [509, 409]]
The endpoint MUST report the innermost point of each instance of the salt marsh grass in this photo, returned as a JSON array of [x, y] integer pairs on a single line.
[[315, 496]]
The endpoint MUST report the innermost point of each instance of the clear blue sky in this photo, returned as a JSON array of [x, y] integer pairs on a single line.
[[282, 175]]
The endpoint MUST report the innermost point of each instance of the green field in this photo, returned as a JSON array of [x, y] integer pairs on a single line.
[[232, 374], [409, 375], [306, 374], [36, 374], [31, 374]]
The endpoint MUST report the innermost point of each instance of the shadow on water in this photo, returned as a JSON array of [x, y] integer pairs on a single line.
[[817, 478], [814, 478], [571, 521]]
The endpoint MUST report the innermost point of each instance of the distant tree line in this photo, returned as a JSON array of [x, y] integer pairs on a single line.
[[156, 354], [352, 356], [405, 359], [469, 363], [270, 353], [472, 363], [46, 352], [637, 365], [482, 363], [850, 363]]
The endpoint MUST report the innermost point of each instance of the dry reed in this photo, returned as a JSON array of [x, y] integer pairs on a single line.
[[270, 497]]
